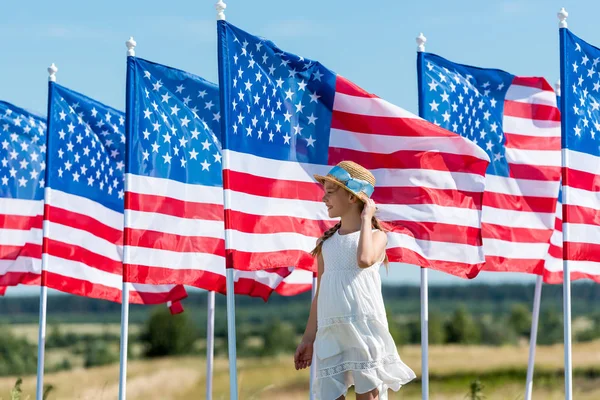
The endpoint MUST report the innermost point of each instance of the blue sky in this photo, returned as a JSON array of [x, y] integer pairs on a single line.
[[370, 43]]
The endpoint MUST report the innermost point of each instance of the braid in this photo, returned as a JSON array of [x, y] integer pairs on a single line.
[[328, 233]]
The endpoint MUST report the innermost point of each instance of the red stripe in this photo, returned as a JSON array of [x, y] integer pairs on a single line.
[[80, 287], [276, 188], [3, 290], [169, 206], [435, 231], [557, 277], [520, 203], [161, 276], [14, 278], [522, 142], [248, 261], [252, 288], [581, 215], [13, 252], [408, 159], [509, 264], [582, 180], [251, 223], [555, 251], [582, 251], [530, 111], [83, 222], [424, 195], [516, 235], [388, 126], [343, 85], [176, 308], [534, 172], [176, 243], [20, 222], [292, 289], [532, 81], [462, 270], [83, 255]]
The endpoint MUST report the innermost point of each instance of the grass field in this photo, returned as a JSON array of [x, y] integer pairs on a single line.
[[452, 368]]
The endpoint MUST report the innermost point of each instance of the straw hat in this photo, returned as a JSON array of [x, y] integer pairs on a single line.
[[352, 177]]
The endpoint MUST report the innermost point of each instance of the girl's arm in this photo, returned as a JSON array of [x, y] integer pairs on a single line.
[[371, 245], [311, 326]]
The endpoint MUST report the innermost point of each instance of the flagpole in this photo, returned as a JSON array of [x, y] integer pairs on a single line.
[[125, 288], [313, 364], [210, 344], [52, 70], [229, 276], [421, 39], [533, 336], [562, 16]]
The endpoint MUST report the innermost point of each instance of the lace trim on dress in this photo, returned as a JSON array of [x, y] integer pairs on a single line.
[[358, 366], [347, 319]]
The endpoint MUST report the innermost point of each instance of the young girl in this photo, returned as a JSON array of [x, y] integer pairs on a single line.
[[347, 325]]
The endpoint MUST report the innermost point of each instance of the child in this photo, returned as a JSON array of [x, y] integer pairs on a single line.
[[347, 325]]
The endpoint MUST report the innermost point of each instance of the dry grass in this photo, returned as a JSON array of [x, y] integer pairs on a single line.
[[30, 331], [275, 378]]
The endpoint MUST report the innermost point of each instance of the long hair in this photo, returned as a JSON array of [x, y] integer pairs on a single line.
[[318, 250]]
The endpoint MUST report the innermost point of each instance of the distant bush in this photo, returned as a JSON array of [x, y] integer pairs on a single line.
[[278, 337], [17, 355], [461, 328], [166, 334], [98, 353]]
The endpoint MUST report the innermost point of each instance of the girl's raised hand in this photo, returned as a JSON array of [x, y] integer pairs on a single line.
[[369, 209], [303, 355]]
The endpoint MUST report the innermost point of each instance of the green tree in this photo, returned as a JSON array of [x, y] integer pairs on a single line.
[[461, 328], [550, 328], [278, 337], [99, 353], [17, 355], [520, 320], [437, 333], [166, 334]]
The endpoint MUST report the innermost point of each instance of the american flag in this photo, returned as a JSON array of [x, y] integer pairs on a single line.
[[581, 131], [22, 168], [287, 118], [83, 217], [516, 121], [174, 201]]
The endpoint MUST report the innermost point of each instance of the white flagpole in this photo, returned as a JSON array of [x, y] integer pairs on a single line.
[[533, 336], [210, 343], [562, 16], [125, 288], [313, 365], [52, 70], [229, 276], [421, 39]]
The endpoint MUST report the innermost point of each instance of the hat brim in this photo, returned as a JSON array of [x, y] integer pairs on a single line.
[[322, 179]]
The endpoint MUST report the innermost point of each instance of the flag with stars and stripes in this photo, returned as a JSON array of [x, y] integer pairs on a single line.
[[174, 199], [83, 216], [580, 105], [23, 158], [286, 118], [516, 121]]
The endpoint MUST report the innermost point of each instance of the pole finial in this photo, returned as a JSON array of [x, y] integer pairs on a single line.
[[131, 43], [52, 70], [557, 87], [562, 16], [421, 39], [220, 7]]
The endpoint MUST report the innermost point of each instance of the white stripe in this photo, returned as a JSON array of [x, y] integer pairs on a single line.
[[176, 190], [271, 206], [266, 278], [26, 208], [175, 225], [176, 260], [370, 106], [530, 95], [270, 242], [21, 264], [521, 187], [582, 233], [429, 213], [299, 277], [586, 267], [274, 169], [526, 251], [583, 162], [529, 127], [433, 250], [386, 144], [582, 198], [82, 205], [517, 219], [549, 158], [146, 288], [84, 239], [18, 237]]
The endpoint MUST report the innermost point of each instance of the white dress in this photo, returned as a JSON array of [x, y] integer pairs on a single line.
[[353, 345]]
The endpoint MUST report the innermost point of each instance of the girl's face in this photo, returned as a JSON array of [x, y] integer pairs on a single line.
[[338, 201]]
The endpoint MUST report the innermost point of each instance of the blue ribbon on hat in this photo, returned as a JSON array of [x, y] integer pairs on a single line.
[[354, 184]]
